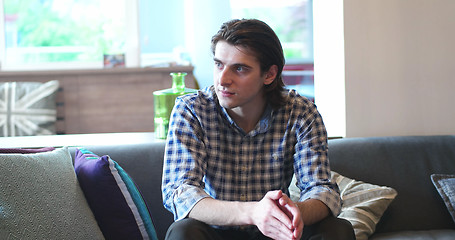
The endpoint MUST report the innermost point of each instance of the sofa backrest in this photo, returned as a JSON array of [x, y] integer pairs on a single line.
[[405, 164]]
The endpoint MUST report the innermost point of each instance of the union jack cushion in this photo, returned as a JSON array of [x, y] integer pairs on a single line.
[[27, 108]]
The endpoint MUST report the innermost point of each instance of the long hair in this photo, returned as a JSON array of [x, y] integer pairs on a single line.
[[260, 40]]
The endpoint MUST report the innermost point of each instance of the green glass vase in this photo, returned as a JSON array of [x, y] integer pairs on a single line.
[[164, 102]]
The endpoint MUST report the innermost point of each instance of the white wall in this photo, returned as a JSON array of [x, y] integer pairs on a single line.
[[399, 67], [329, 68], [202, 21]]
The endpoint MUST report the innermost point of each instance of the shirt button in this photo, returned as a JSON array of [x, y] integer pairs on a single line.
[[242, 197]]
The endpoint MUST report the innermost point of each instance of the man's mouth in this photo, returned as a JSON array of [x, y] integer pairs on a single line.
[[225, 93]]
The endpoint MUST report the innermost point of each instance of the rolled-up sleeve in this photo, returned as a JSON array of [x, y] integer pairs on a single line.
[[312, 168], [182, 199]]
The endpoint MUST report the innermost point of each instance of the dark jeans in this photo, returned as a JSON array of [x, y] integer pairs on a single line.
[[330, 228]]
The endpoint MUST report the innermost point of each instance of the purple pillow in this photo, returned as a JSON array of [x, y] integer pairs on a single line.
[[115, 200], [25, 150]]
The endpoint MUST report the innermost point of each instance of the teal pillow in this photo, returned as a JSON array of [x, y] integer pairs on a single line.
[[40, 198], [119, 208]]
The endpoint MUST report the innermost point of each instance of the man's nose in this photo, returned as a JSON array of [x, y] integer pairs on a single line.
[[225, 77]]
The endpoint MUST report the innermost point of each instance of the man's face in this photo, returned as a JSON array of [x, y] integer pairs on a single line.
[[238, 81]]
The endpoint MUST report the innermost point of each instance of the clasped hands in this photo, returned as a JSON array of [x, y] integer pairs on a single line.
[[278, 217]]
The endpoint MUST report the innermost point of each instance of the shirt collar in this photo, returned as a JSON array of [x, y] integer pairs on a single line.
[[262, 126]]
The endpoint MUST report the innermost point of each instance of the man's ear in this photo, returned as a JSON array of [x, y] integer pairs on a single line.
[[270, 75]]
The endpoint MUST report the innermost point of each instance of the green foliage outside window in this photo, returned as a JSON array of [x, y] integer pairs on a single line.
[[77, 27], [290, 22]]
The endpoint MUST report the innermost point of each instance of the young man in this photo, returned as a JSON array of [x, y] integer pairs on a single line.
[[233, 148]]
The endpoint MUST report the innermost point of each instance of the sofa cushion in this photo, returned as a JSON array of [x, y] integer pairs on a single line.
[[28, 108], [40, 198], [113, 197], [363, 203], [445, 184]]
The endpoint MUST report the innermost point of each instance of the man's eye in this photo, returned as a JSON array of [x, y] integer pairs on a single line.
[[218, 65], [240, 69]]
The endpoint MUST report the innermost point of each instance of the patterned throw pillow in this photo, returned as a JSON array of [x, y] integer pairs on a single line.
[[445, 184], [27, 108], [116, 202], [363, 203], [40, 198]]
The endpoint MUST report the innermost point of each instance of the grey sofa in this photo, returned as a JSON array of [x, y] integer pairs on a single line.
[[404, 163]]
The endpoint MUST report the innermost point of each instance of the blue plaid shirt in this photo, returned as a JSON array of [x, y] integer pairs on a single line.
[[208, 155]]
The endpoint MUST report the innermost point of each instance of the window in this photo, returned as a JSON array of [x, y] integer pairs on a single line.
[[56, 34], [290, 19]]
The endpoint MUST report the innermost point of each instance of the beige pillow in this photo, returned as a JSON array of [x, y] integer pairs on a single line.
[[40, 198], [363, 203]]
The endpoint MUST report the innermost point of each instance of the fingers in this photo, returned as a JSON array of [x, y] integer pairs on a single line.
[[293, 211], [271, 220], [290, 208], [274, 195], [275, 231], [275, 209]]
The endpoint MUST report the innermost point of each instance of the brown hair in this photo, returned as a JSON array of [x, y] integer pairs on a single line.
[[261, 40]]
